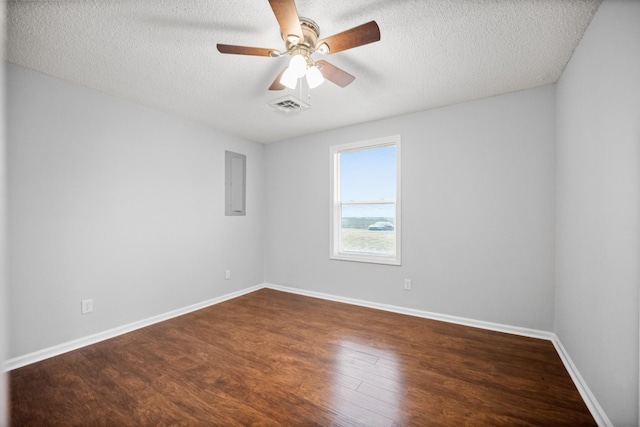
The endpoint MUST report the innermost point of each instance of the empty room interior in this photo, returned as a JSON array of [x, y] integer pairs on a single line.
[[173, 225]]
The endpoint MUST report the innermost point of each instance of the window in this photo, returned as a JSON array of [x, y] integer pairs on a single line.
[[365, 201]]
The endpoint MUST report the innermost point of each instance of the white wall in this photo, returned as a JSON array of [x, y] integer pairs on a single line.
[[119, 203], [478, 212], [598, 208]]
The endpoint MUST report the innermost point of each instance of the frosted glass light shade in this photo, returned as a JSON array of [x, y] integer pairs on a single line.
[[298, 65], [289, 79], [314, 77]]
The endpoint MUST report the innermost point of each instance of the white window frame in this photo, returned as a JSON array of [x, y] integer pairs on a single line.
[[335, 216]]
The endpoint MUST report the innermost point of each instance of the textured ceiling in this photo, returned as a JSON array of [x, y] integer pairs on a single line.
[[162, 54]]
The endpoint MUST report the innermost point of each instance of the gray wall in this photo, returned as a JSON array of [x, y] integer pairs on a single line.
[[4, 409], [598, 208], [125, 205], [477, 212], [119, 203]]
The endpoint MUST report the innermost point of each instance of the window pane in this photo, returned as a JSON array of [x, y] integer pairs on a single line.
[[368, 174], [368, 229]]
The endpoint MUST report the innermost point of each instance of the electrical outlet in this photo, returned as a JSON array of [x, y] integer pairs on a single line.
[[87, 306], [227, 274], [407, 284]]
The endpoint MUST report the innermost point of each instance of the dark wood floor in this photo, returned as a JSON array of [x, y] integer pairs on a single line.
[[271, 358]]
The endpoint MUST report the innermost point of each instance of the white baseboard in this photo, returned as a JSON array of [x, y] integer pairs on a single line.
[[596, 410], [532, 333], [588, 397], [56, 350]]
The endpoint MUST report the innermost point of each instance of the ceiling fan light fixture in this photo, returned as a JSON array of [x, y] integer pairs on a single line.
[[301, 40], [298, 65], [288, 79], [314, 77]]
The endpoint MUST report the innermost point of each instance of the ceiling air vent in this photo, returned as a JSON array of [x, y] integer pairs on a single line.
[[289, 104]]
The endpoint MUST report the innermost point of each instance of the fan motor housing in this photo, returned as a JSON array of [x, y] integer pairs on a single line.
[[310, 32]]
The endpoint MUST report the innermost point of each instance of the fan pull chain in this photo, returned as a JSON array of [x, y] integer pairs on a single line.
[[301, 84]]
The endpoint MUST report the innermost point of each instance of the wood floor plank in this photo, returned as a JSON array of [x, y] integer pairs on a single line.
[[271, 358]]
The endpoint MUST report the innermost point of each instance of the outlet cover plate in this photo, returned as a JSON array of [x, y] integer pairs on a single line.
[[86, 306]]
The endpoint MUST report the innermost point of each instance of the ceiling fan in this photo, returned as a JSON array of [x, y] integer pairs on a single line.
[[300, 36]]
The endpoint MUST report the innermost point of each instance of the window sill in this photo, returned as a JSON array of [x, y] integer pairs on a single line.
[[369, 259]]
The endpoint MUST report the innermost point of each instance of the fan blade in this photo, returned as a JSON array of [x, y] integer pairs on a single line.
[[245, 50], [287, 16], [276, 85], [335, 74], [356, 36]]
